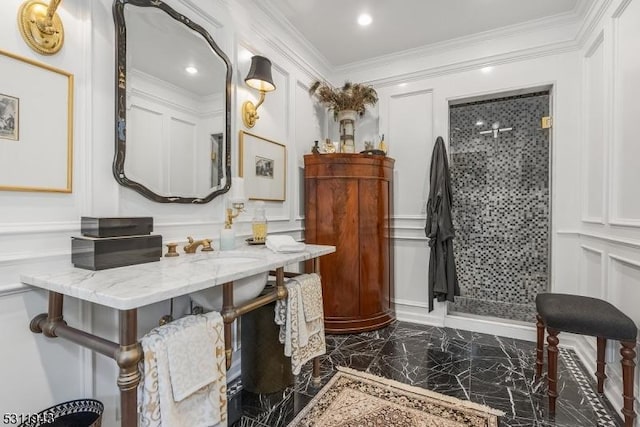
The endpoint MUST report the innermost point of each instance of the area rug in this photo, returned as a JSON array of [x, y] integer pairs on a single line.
[[353, 398]]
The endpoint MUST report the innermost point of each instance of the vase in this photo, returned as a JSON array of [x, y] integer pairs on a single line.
[[347, 120]]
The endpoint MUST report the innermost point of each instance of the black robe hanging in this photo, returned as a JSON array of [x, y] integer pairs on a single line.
[[443, 283]]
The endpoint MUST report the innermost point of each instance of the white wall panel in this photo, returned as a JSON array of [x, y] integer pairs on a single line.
[[591, 281], [36, 371], [626, 150], [310, 120], [142, 157], [181, 157], [411, 258], [624, 285], [593, 189], [409, 138]]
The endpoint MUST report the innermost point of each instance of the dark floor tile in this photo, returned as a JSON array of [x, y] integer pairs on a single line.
[[495, 371], [497, 377], [480, 350], [517, 407]]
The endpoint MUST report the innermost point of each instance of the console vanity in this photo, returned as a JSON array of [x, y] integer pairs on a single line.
[[128, 288]]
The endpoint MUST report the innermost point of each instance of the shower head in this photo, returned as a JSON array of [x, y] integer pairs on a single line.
[[495, 129]]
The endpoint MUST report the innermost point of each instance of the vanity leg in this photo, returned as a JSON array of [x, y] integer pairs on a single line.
[[228, 316], [127, 357], [281, 290], [316, 361], [315, 377]]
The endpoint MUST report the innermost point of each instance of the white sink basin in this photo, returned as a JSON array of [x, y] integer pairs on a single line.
[[244, 289]]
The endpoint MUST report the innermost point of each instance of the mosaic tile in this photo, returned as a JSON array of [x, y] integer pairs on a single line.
[[500, 205]]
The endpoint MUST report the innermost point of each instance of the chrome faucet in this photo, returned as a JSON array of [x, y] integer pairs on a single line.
[[193, 245]]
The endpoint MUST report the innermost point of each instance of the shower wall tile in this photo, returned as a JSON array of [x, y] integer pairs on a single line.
[[501, 203]]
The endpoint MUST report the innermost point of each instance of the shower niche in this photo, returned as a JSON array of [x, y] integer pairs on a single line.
[[500, 178]]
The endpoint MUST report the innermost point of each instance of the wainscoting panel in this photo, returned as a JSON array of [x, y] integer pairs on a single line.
[[411, 260], [625, 205], [624, 285], [410, 140], [624, 293], [37, 371], [594, 158], [592, 277]]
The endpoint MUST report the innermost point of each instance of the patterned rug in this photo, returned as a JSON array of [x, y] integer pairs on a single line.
[[352, 398]]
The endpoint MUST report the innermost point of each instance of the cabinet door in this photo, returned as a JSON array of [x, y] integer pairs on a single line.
[[374, 247], [337, 221]]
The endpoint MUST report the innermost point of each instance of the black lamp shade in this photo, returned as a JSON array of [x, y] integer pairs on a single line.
[[259, 76]]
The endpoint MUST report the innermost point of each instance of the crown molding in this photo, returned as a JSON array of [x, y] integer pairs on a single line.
[[282, 22], [543, 24], [592, 17], [584, 16], [473, 64]]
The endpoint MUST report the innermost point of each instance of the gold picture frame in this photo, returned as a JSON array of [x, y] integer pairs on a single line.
[[40, 157], [263, 165]]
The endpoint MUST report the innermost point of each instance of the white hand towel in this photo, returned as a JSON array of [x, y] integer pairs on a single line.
[[191, 357], [205, 407], [284, 244]]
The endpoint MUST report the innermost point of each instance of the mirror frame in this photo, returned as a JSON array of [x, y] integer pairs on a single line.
[[121, 97]]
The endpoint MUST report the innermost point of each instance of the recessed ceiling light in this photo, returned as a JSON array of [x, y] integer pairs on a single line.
[[364, 19], [486, 69], [191, 70]]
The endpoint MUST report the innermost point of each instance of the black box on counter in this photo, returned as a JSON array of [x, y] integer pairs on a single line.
[[110, 252], [116, 227]]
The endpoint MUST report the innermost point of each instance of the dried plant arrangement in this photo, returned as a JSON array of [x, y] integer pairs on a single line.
[[351, 96]]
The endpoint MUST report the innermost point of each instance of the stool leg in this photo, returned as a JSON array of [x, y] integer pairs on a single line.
[[628, 364], [539, 346], [552, 378], [602, 344]]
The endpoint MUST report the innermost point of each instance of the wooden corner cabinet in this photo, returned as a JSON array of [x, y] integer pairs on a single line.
[[348, 203]]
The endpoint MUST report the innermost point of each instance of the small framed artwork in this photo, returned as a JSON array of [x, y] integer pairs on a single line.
[[9, 117], [263, 165], [36, 126]]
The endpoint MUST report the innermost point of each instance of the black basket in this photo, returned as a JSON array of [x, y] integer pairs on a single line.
[[75, 413]]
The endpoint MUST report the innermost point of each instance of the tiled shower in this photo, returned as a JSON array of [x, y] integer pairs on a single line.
[[499, 163]]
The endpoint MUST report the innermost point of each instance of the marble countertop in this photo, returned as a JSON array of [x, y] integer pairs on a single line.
[[126, 288]]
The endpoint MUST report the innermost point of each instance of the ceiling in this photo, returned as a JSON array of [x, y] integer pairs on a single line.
[[331, 27]]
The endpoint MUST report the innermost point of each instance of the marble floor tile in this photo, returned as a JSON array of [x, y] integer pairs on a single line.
[[487, 369]]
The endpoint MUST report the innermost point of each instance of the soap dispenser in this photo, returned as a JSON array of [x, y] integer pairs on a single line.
[[227, 238], [259, 223]]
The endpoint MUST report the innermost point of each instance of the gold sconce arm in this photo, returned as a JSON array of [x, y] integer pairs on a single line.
[[40, 26], [238, 207], [250, 111]]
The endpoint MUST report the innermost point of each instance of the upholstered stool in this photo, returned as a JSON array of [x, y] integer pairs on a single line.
[[586, 316]]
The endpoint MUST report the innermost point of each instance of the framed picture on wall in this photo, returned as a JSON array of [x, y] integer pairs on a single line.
[[263, 165], [36, 126], [9, 117]]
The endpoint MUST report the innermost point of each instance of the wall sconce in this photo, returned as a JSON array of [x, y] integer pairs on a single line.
[[259, 77], [40, 26]]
